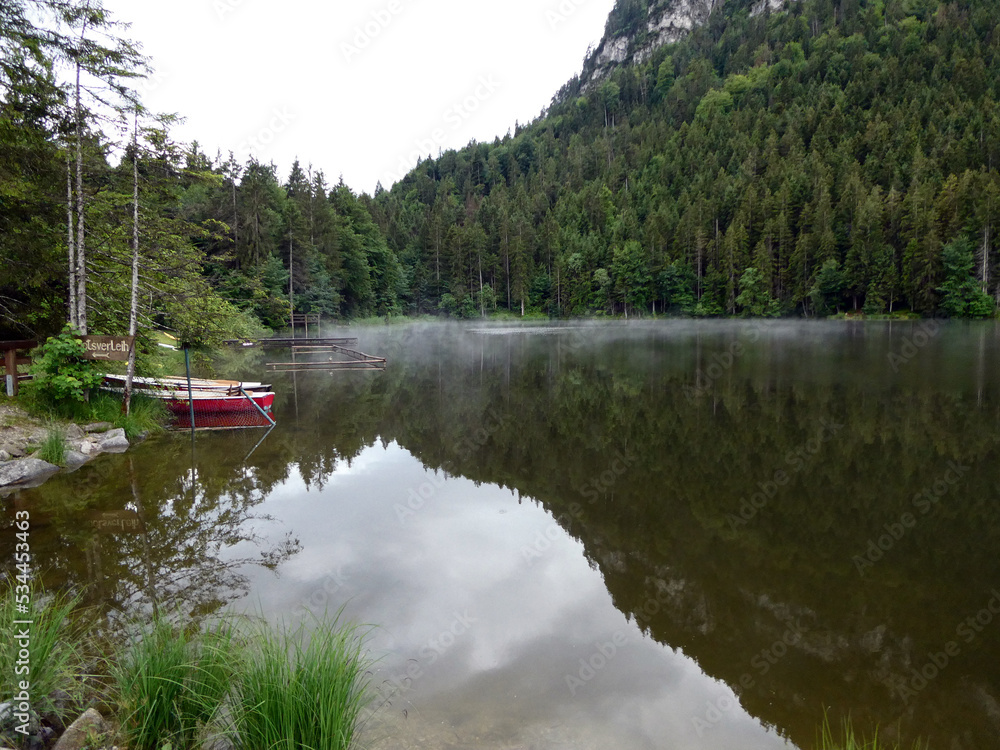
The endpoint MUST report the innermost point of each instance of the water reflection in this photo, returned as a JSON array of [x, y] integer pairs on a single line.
[[776, 518], [153, 529]]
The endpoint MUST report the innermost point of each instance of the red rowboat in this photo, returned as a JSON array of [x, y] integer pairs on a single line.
[[208, 402]]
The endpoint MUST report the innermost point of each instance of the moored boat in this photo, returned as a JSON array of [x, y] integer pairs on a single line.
[[209, 402], [179, 383]]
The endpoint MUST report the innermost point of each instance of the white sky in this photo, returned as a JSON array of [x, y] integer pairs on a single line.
[[356, 88]]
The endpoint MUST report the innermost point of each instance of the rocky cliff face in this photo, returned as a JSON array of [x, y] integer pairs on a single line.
[[667, 22]]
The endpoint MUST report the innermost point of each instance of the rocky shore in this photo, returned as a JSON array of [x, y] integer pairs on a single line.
[[21, 435]]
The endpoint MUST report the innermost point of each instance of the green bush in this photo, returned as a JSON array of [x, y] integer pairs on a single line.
[[60, 374]]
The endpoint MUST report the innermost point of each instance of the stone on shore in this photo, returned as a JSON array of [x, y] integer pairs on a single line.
[[24, 471], [114, 441], [79, 733], [74, 459]]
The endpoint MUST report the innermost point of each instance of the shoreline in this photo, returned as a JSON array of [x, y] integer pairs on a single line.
[[22, 434]]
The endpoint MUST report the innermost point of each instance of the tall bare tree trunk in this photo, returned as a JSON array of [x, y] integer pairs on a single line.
[[482, 304], [986, 259], [81, 259], [70, 241], [291, 280], [133, 311]]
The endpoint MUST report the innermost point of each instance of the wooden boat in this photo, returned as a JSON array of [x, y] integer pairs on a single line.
[[179, 383], [212, 402]]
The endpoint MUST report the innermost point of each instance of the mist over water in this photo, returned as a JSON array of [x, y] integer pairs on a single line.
[[670, 534]]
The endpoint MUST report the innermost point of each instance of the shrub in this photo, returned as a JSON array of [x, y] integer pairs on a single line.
[[60, 372]]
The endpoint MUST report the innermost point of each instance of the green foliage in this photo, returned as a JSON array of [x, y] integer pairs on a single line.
[[848, 739], [961, 295], [676, 283], [169, 684], [301, 689], [57, 653], [146, 415], [828, 292], [60, 374], [54, 447], [755, 297]]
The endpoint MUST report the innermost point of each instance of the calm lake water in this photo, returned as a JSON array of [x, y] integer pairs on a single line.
[[657, 535]]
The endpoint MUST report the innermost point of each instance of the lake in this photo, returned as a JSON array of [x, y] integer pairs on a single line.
[[675, 534]]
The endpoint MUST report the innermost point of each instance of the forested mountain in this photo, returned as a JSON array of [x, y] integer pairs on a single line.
[[828, 156], [712, 158]]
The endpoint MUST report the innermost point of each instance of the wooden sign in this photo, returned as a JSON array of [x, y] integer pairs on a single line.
[[108, 348]]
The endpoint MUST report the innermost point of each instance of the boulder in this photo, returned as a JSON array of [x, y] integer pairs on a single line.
[[114, 441], [98, 427], [74, 432], [75, 459], [24, 471], [89, 447], [79, 733]]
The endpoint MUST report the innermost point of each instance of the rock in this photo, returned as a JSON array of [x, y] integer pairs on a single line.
[[74, 432], [89, 447], [24, 471], [15, 451], [78, 735], [74, 459], [114, 441], [4, 455], [98, 427]]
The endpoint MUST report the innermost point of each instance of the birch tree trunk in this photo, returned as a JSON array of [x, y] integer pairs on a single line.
[[133, 312], [81, 259], [71, 247]]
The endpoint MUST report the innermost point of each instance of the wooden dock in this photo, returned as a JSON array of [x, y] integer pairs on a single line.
[[287, 343], [355, 360]]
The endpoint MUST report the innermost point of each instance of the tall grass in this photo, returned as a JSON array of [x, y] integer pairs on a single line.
[[170, 683], [145, 414], [850, 740], [56, 657], [54, 447], [304, 689]]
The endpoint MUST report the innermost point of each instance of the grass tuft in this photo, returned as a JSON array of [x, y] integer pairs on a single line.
[[170, 684], [850, 740], [56, 654], [53, 448], [305, 689], [147, 415]]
